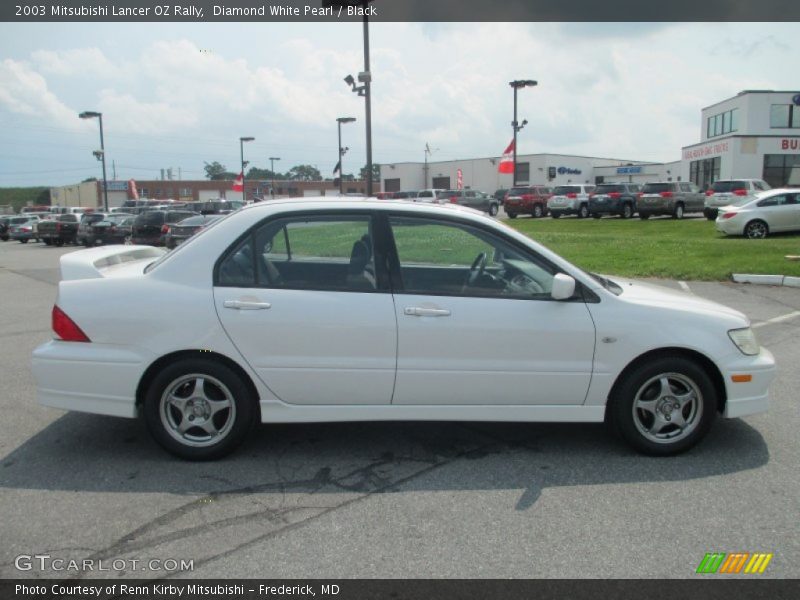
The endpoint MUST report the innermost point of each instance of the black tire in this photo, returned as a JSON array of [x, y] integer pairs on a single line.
[[59, 243], [644, 216], [583, 211], [23, 241], [555, 215], [686, 382], [677, 213], [597, 215], [220, 384], [512, 215], [493, 210], [538, 211], [627, 211], [756, 230], [48, 242]]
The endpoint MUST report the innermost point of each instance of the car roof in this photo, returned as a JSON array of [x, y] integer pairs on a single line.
[[372, 203]]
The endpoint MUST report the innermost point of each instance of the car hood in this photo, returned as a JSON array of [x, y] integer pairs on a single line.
[[649, 294]]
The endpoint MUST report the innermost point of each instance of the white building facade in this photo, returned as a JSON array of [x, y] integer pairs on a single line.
[[755, 134]]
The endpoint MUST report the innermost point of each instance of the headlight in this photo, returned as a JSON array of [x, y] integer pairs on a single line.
[[745, 341]]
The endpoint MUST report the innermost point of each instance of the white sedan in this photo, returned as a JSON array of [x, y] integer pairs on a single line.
[[362, 310], [774, 211]]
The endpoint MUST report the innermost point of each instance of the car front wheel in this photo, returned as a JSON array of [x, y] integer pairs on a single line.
[[538, 211], [512, 215], [756, 230], [627, 211], [583, 211], [199, 409], [678, 212], [664, 407], [493, 210]]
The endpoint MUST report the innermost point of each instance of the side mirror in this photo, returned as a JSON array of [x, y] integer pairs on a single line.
[[563, 287]]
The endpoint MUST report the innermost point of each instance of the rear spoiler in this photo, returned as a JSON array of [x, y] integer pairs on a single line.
[[90, 264]]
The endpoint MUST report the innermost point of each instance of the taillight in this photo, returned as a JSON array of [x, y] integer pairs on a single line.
[[740, 192], [453, 199], [65, 328], [666, 194], [614, 194], [729, 215], [113, 228], [709, 192], [639, 194], [572, 195], [592, 195], [165, 229], [58, 227]]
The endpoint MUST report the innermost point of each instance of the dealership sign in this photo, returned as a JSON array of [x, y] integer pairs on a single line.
[[568, 171], [707, 150], [790, 144], [628, 170]]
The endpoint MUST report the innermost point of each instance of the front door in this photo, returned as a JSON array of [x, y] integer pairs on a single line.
[[477, 325]]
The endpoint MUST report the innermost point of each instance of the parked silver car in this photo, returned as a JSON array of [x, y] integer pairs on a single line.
[[772, 211], [728, 191], [674, 198], [570, 199]]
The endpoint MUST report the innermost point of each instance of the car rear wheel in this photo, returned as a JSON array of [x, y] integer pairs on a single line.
[[627, 211], [538, 211], [678, 212], [583, 211], [596, 215], [199, 409], [512, 215], [555, 215], [644, 216], [23, 241], [665, 406], [756, 230]]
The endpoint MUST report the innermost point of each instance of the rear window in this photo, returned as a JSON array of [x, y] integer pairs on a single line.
[[655, 188], [191, 221], [728, 186], [563, 190], [68, 218], [174, 217], [517, 191], [150, 218], [92, 217], [606, 188]]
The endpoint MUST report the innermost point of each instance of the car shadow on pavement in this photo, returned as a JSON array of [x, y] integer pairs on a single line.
[[81, 452]]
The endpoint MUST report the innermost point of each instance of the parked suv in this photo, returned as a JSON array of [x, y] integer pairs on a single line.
[[614, 199], [570, 199], [528, 200], [151, 227], [428, 195], [673, 198], [726, 191], [471, 198]]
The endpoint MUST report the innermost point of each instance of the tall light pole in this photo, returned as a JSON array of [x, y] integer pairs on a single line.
[[242, 140], [339, 122], [89, 114], [272, 160], [517, 84], [365, 78]]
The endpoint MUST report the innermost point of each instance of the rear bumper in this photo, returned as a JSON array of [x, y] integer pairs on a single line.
[[93, 378], [752, 397]]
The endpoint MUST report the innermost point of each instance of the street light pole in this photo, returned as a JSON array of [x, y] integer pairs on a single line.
[[339, 122], [272, 160], [517, 84], [368, 101], [90, 115], [242, 140]]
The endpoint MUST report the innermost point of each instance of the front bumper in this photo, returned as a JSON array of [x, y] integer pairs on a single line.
[[751, 397], [88, 377]]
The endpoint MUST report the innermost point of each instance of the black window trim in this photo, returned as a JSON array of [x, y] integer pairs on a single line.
[[381, 273]]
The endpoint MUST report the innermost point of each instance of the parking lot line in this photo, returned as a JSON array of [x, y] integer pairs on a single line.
[[780, 319]]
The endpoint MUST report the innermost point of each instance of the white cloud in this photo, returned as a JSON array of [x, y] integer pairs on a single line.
[[85, 62], [24, 91]]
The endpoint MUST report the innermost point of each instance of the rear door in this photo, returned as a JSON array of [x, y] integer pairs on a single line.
[[300, 298], [476, 324]]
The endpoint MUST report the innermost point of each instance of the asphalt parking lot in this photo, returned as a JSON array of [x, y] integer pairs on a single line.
[[395, 499]]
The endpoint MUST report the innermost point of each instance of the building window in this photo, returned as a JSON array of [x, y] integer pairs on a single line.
[[784, 116], [723, 123], [391, 185], [143, 192], [705, 172], [523, 172], [441, 183], [782, 170]]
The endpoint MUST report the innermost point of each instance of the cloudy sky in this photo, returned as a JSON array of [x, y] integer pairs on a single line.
[[176, 95]]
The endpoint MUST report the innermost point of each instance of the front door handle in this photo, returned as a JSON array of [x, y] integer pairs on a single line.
[[419, 311], [246, 305]]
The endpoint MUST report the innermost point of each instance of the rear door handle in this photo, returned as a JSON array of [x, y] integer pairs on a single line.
[[246, 305], [418, 311]]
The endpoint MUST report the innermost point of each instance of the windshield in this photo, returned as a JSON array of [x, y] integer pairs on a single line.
[[563, 190]]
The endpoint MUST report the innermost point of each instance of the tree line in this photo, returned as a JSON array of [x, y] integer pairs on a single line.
[[216, 170]]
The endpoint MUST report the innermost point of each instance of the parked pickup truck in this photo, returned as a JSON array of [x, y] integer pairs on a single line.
[[60, 230]]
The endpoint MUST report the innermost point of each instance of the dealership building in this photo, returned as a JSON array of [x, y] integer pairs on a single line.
[[755, 134]]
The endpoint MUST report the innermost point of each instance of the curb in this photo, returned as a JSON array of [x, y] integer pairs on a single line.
[[778, 280]]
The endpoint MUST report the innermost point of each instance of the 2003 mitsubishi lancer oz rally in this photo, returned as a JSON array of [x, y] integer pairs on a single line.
[[362, 310]]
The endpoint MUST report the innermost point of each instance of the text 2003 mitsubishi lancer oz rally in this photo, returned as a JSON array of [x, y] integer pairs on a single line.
[[362, 310]]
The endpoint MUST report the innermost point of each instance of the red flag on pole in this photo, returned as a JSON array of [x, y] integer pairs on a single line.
[[459, 180], [133, 193], [238, 183], [507, 161]]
